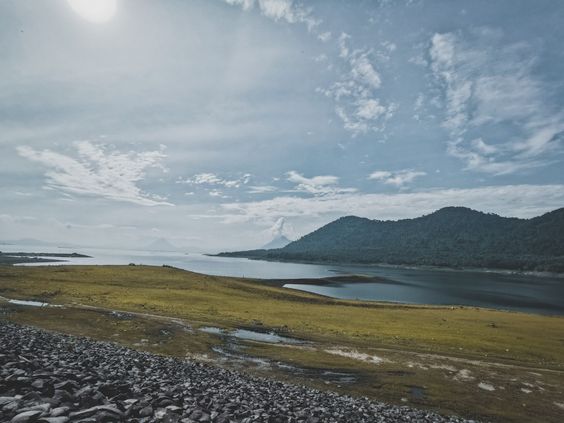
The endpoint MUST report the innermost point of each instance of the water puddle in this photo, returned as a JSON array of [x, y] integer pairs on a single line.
[[417, 392], [30, 303], [232, 354], [251, 335]]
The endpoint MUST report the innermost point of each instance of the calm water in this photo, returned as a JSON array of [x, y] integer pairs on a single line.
[[418, 286]]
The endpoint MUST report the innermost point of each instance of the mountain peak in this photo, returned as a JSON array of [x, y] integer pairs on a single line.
[[456, 210], [161, 244]]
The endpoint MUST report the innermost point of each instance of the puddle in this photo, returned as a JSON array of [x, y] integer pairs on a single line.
[[338, 377], [250, 335], [241, 359], [417, 392], [32, 303], [29, 303], [231, 354], [212, 330]]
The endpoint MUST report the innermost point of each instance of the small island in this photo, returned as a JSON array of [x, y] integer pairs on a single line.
[[8, 258]]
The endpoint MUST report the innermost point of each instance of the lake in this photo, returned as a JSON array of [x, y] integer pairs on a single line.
[[505, 291]]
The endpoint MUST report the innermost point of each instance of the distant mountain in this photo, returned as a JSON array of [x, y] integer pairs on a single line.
[[452, 236], [161, 244], [279, 242]]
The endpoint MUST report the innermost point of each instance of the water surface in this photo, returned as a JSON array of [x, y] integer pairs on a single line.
[[505, 291]]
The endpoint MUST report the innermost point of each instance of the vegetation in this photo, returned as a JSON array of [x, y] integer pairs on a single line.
[[444, 351], [452, 236], [15, 258]]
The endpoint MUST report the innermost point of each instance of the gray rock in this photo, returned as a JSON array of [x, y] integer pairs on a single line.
[[60, 419], [26, 416], [53, 378], [6, 400]]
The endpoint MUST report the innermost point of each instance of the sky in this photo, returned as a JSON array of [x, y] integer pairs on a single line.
[[221, 124]]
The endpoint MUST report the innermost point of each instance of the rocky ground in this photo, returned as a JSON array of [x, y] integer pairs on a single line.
[[53, 378]]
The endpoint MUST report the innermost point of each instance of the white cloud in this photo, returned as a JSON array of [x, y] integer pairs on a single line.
[[212, 179], [281, 228], [509, 200], [216, 193], [285, 10], [261, 189], [398, 178], [492, 88], [325, 36], [99, 171], [370, 109], [486, 149], [317, 185], [355, 94], [356, 103]]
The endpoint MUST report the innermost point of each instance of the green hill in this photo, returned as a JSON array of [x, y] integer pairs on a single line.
[[452, 236]]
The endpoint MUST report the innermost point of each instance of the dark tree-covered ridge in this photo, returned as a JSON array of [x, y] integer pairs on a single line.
[[451, 236]]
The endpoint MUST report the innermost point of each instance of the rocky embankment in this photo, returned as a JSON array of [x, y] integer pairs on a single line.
[[53, 378]]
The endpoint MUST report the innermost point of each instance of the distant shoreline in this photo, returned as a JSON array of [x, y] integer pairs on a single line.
[[401, 266], [20, 257]]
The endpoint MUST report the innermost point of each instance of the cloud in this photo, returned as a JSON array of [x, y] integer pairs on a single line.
[[261, 189], [317, 185], [99, 171], [508, 200], [212, 179], [398, 178], [283, 10], [491, 88], [281, 228], [356, 103], [355, 93], [325, 36]]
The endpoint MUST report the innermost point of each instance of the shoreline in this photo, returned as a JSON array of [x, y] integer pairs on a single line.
[[402, 266]]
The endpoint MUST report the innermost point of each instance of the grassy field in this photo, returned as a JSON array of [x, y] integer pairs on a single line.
[[493, 365]]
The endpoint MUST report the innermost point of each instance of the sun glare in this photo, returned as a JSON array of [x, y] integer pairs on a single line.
[[97, 11]]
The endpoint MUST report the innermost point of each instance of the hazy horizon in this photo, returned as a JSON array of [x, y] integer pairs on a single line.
[[218, 125]]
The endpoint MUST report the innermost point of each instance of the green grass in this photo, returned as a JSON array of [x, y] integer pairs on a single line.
[[404, 335]]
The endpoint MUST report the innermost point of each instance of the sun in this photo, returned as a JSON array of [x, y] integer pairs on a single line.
[[97, 11]]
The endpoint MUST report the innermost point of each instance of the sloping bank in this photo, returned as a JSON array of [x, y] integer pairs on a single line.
[[48, 377]]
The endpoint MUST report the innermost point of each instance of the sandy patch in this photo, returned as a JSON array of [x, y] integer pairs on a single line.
[[463, 375], [486, 386]]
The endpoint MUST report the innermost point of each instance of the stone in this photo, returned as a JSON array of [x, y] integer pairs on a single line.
[[26, 416]]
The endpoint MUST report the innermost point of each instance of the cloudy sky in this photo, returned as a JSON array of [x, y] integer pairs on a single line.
[[218, 124]]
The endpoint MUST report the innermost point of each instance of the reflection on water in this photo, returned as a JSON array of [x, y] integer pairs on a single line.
[[419, 286], [28, 303]]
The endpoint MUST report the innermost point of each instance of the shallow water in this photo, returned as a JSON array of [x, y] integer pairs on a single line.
[[29, 303], [506, 291], [526, 293], [269, 337]]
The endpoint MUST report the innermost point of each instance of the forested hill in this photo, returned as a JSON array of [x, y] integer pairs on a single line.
[[452, 236]]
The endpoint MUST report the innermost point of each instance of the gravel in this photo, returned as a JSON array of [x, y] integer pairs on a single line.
[[54, 378]]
